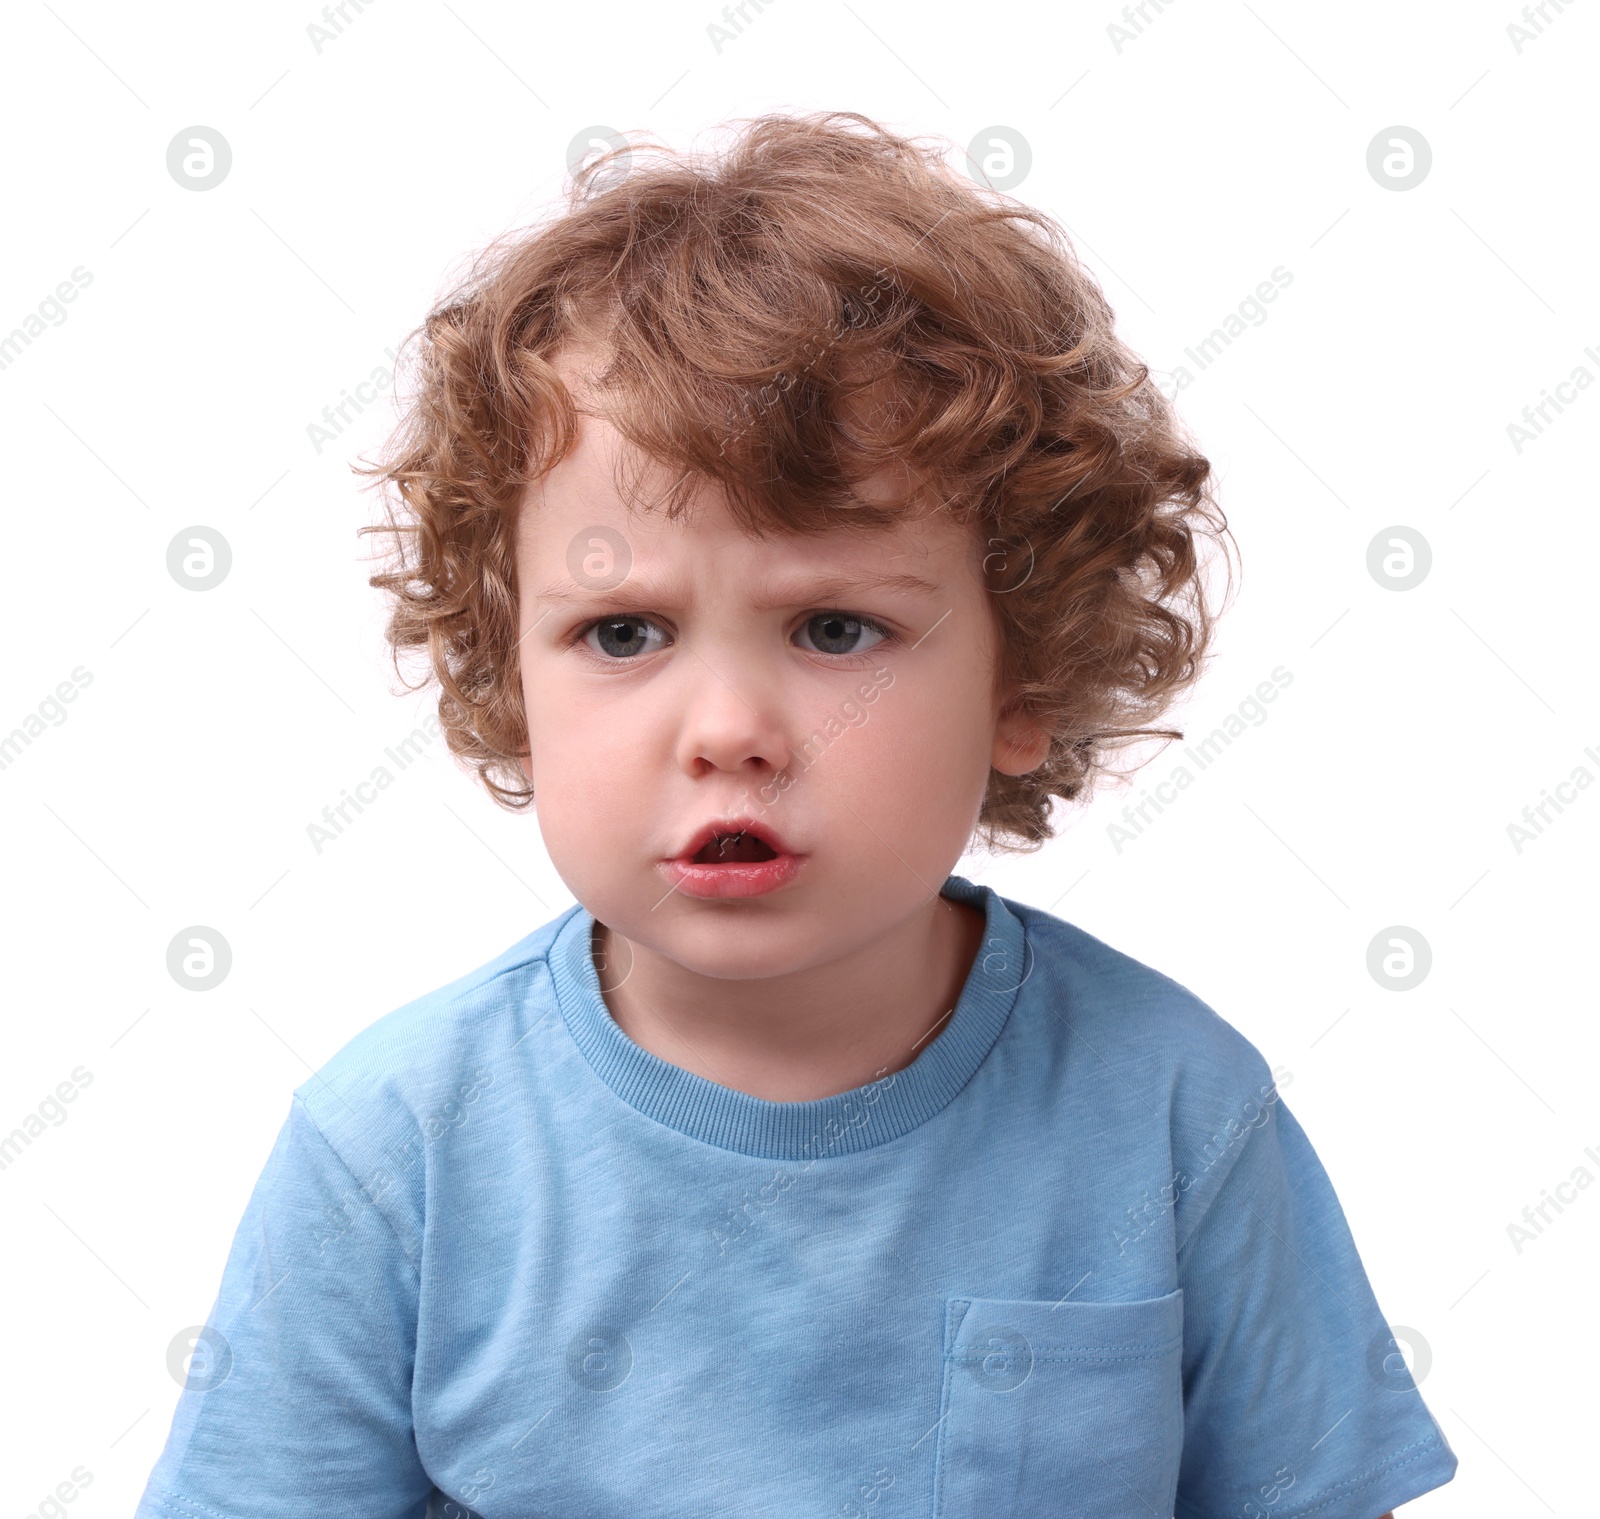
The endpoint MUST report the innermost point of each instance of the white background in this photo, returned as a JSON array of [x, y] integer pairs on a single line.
[[1224, 140]]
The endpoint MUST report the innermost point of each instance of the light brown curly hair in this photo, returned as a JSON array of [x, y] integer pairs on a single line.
[[748, 301]]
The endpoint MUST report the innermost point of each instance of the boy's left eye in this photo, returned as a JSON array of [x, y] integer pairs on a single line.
[[840, 633]]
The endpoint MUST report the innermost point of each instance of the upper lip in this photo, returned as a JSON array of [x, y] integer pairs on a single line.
[[727, 828]]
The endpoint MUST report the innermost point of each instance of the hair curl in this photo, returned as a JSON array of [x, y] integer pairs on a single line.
[[748, 303]]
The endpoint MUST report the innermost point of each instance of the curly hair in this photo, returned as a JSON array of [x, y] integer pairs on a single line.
[[748, 301]]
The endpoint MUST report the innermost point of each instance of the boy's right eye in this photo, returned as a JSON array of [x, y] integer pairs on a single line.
[[623, 637]]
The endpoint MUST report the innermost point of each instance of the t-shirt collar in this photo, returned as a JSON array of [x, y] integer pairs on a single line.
[[859, 1119]]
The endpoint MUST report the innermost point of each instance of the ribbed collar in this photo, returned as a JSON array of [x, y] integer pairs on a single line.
[[859, 1119]]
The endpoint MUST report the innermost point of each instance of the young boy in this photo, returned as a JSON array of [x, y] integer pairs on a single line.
[[780, 522]]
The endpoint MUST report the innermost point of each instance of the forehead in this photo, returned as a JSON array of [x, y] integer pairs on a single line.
[[604, 481]]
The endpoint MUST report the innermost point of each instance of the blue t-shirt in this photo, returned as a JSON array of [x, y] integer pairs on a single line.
[[1077, 1258]]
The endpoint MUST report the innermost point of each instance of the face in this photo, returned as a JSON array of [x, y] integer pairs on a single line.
[[818, 711]]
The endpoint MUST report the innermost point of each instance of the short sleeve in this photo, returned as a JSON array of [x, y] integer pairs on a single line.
[[1297, 1402], [298, 1390]]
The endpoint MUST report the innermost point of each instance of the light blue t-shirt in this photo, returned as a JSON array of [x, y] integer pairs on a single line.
[[1078, 1258]]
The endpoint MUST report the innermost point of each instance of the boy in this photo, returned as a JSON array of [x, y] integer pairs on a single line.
[[779, 523]]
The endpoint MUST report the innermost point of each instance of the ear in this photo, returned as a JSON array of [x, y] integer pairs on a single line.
[[1020, 744]]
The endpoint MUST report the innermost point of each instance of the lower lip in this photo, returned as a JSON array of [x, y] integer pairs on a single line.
[[711, 882]]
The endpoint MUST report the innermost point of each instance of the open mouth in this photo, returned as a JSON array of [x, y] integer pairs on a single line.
[[740, 848], [735, 857]]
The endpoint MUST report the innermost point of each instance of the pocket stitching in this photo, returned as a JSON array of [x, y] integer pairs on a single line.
[[1079, 1353], [1111, 1347], [957, 1312]]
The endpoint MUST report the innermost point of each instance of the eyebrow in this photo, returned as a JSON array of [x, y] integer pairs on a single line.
[[810, 592]]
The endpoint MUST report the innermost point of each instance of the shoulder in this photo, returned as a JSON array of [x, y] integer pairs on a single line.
[[1131, 1009], [1148, 1048], [374, 1093]]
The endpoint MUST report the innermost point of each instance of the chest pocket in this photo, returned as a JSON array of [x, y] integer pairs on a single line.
[[1060, 1409]]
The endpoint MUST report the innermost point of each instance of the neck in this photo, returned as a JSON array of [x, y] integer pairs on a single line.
[[809, 1034]]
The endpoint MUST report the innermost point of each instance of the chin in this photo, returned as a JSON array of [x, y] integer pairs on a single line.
[[730, 943]]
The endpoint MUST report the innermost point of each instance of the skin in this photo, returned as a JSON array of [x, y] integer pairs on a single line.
[[845, 973]]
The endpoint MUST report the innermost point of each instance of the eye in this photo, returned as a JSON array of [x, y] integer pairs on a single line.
[[623, 637], [840, 633]]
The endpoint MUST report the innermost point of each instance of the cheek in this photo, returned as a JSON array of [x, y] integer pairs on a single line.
[[567, 723], [924, 747], [591, 816], [578, 770]]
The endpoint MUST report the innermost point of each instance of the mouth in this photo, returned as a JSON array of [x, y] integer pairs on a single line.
[[738, 857], [737, 841], [741, 848]]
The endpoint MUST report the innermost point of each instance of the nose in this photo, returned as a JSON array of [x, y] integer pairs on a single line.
[[731, 718]]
